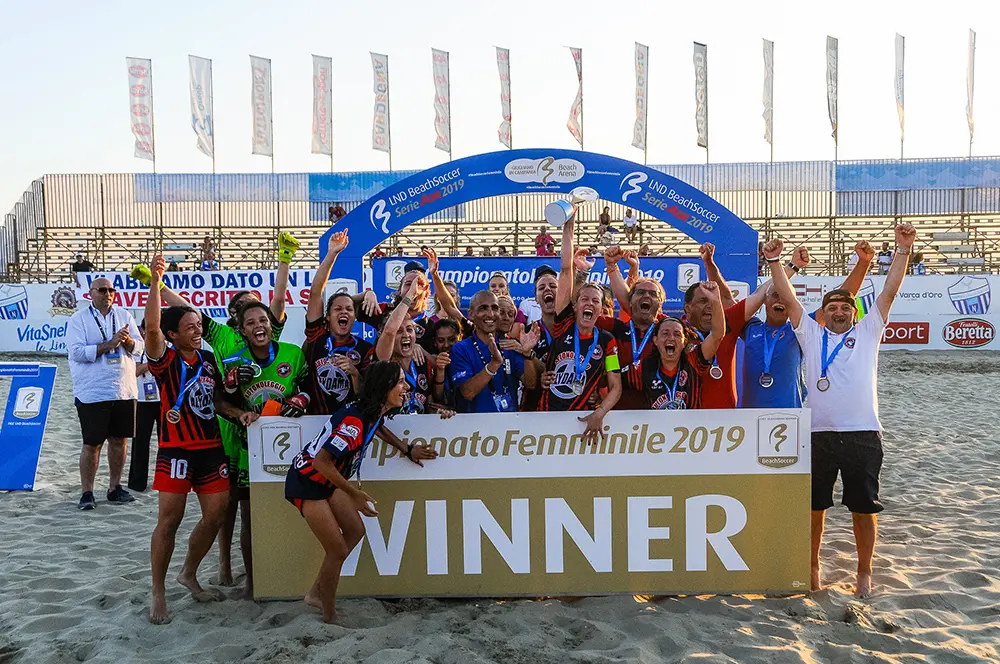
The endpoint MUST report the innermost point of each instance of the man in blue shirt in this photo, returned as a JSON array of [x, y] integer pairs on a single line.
[[486, 378]]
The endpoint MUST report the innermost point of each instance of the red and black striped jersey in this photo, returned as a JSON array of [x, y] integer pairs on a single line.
[[197, 428], [685, 382], [345, 437], [423, 323], [330, 387], [631, 398], [562, 358]]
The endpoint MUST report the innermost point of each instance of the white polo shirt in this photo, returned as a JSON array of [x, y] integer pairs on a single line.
[[110, 377], [851, 403], [630, 221]]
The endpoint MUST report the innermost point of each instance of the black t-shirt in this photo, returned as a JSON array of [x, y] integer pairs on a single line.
[[85, 266]]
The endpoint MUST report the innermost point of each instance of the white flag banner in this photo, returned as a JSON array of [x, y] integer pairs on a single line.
[[202, 116], [970, 83], [260, 97], [900, 48], [442, 100], [322, 131], [381, 139], [768, 97], [576, 110], [831, 83], [140, 104], [701, 92], [503, 66], [641, 95]]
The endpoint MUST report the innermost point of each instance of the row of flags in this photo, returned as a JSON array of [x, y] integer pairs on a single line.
[[140, 83]]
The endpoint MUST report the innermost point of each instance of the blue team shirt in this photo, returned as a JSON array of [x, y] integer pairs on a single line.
[[466, 363], [787, 390]]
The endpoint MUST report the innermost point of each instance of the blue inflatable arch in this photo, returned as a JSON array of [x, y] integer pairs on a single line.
[[540, 171]]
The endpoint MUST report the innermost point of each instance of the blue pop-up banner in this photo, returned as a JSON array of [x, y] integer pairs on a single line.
[[23, 425]]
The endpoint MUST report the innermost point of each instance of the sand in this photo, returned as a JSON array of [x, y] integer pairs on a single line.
[[74, 586]]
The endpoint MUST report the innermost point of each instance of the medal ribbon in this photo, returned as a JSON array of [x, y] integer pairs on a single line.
[[828, 359], [672, 390], [715, 360], [411, 378], [579, 368], [239, 356], [332, 350], [187, 386], [769, 347], [637, 352], [364, 446]]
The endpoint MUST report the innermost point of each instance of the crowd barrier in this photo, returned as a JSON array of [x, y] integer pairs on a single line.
[[934, 312], [517, 505]]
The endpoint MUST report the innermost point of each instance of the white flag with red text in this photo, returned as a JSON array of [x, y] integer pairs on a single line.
[[322, 129], [140, 102], [574, 124], [260, 97], [503, 66], [442, 100]]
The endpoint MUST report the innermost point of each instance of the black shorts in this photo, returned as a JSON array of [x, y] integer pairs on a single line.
[[106, 419], [298, 489], [857, 455], [179, 470]]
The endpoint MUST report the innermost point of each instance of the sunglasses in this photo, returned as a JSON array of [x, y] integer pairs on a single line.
[[106, 290]]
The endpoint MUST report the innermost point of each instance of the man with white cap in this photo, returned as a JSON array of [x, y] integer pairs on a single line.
[[842, 374]]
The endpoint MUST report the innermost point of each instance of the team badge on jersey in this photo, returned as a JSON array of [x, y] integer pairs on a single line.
[[349, 430], [849, 343], [332, 379], [223, 471], [565, 374], [201, 399], [422, 381], [284, 369], [682, 379], [354, 356]]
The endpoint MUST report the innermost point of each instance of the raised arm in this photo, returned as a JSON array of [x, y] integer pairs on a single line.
[[711, 343], [905, 236], [287, 246], [155, 343], [772, 253], [442, 296], [471, 388], [612, 256], [387, 338], [566, 271], [800, 259], [707, 252], [866, 254], [317, 291]]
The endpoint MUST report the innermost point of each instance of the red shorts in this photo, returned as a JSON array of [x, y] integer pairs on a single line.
[[179, 470]]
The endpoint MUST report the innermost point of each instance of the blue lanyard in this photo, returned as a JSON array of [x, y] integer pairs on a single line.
[[579, 368], [637, 352], [828, 359], [364, 446], [331, 350], [770, 343], [672, 390], [100, 325], [239, 356], [412, 380], [545, 330], [715, 359], [187, 386], [503, 367]]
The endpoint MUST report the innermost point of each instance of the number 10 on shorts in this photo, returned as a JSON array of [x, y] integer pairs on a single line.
[[777, 440], [178, 469]]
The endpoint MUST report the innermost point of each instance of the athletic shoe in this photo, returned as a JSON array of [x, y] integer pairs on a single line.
[[87, 501], [120, 495]]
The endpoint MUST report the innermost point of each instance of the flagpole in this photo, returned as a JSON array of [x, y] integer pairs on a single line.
[[215, 183], [152, 134], [270, 120], [388, 109], [645, 125]]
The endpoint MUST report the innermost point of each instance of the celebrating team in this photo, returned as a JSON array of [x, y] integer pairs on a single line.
[[577, 357]]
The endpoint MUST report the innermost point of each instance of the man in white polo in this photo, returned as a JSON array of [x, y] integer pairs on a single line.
[[842, 376], [103, 342]]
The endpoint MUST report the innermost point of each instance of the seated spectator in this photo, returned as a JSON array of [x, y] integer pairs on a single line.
[[631, 224], [336, 213], [605, 218], [917, 264], [207, 246], [173, 267], [487, 252], [208, 263], [544, 242], [399, 251], [468, 251], [644, 250], [378, 253], [502, 251]]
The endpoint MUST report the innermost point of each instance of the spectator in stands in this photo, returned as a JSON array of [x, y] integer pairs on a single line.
[[378, 253], [399, 251], [336, 213], [502, 251], [487, 252], [917, 264], [207, 247], [885, 258], [544, 242], [644, 250], [605, 218], [208, 263], [631, 224], [468, 251], [81, 264]]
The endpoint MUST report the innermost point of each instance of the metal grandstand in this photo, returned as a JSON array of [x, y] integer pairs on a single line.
[[121, 219]]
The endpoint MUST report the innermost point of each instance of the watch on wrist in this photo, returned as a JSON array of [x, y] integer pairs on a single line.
[[792, 266]]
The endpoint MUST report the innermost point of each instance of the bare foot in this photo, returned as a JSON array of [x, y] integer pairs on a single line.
[[332, 619], [816, 579], [224, 578], [158, 609], [313, 601], [864, 589], [248, 592], [190, 581]]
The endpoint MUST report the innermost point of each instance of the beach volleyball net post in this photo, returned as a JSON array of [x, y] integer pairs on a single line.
[[23, 424]]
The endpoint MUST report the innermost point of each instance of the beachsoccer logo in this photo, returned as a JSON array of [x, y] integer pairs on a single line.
[[777, 440], [394, 271], [28, 403], [633, 180], [379, 212], [970, 295], [545, 171], [13, 302], [279, 444]]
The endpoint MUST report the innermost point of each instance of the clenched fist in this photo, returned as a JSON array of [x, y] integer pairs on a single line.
[[773, 249]]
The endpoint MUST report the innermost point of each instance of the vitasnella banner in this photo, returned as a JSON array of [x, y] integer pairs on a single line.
[[520, 505]]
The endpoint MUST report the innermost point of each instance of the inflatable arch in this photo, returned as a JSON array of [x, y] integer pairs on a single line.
[[541, 171]]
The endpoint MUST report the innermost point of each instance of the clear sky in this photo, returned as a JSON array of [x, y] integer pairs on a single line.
[[65, 102]]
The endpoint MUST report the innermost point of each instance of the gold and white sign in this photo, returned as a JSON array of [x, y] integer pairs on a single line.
[[517, 504]]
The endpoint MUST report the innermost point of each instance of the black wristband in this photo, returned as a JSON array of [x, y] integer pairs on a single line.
[[792, 265], [409, 451]]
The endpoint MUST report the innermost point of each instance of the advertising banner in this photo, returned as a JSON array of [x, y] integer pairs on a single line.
[[381, 138], [503, 67], [575, 124], [140, 104], [641, 96], [23, 425], [768, 95], [831, 83], [260, 103], [701, 93], [322, 126], [442, 99], [202, 115], [665, 503]]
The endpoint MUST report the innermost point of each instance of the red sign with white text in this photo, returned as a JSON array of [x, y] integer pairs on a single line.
[[907, 333]]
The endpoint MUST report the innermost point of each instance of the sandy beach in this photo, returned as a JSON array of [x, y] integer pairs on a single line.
[[74, 587]]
